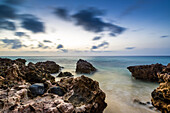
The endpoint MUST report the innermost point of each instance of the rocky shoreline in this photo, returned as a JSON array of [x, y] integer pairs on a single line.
[[155, 73], [32, 89]]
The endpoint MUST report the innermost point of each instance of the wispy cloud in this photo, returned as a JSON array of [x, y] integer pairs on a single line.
[[13, 43], [103, 44], [60, 46], [96, 38], [21, 34], [129, 48], [47, 41], [164, 36]]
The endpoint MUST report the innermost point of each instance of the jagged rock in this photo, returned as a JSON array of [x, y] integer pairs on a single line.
[[51, 66], [65, 74], [84, 67], [21, 60], [146, 72], [56, 90], [84, 91], [37, 89], [161, 95]]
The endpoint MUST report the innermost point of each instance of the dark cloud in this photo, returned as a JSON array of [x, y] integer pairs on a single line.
[[130, 47], [62, 13], [97, 38], [14, 2], [48, 41], [7, 12], [32, 23], [5, 24], [14, 43], [90, 19], [21, 34], [165, 36], [103, 44], [60, 46], [132, 8]]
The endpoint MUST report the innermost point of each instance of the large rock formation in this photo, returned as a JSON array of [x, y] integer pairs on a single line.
[[146, 72], [161, 95], [84, 67], [20, 93]]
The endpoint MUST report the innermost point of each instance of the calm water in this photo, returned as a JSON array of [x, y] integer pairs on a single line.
[[115, 80]]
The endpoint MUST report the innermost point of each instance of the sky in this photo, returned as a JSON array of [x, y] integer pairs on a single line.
[[84, 27]]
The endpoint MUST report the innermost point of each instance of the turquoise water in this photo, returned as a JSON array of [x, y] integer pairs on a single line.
[[114, 79]]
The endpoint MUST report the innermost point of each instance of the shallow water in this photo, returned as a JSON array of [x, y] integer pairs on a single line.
[[114, 79]]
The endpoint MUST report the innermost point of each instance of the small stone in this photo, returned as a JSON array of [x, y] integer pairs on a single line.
[[37, 89], [65, 74]]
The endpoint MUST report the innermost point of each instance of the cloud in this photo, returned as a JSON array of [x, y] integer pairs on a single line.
[[41, 45], [21, 34], [8, 25], [164, 36], [7, 12], [64, 50], [32, 23], [97, 38], [14, 43], [130, 48], [103, 44], [60, 46], [14, 2], [91, 20], [132, 8], [47, 41], [62, 13]]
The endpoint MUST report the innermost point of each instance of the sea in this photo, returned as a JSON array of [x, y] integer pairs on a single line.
[[113, 77]]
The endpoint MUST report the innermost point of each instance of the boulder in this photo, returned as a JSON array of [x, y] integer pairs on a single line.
[[37, 89], [21, 60], [84, 67], [56, 90], [146, 72], [51, 66], [65, 74], [83, 91], [161, 95]]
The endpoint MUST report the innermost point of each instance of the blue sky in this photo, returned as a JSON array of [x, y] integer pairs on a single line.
[[84, 27]]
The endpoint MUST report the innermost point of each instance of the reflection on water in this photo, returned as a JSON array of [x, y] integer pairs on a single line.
[[115, 80]]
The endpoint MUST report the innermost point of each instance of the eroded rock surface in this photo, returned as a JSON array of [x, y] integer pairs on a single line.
[[65, 74], [84, 67], [161, 95], [20, 94], [146, 72]]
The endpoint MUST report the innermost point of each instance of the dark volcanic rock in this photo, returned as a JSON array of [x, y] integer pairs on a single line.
[[146, 72], [161, 95], [56, 90], [21, 60], [65, 74], [37, 89], [51, 66], [84, 67]]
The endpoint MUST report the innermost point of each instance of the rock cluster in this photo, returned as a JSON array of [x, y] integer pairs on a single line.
[[31, 89], [84, 67]]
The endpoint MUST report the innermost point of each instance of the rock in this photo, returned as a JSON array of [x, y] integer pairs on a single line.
[[37, 89], [146, 72], [65, 74], [161, 95], [21, 60], [51, 66], [84, 91], [56, 90], [84, 67]]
